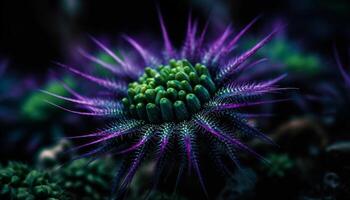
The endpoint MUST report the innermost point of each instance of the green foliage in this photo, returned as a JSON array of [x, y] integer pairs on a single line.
[[18, 181], [35, 108], [291, 56], [295, 60], [87, 181]]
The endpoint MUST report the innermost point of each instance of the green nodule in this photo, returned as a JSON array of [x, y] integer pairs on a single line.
[[166, 109], [153, 113], [193, 103], [194, 78], [126, 102], [202, 93], [180, 76], [150, 95], [185, 85], [208, 83], [174, 84], [141, 111], [160, 94], [132, 110], [182, 95], [180, 111], [169, 92]]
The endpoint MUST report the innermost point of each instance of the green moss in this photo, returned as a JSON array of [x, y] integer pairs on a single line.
[[18, 181], [85, 180]]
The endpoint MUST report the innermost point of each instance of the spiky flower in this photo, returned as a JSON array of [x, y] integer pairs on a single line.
[[172, 99]]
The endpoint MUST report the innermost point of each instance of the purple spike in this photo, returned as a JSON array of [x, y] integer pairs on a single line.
[[105, 138], [201, 38], [148, 59], [85, 102], [106, 83], [201, 181], [242, 67], [98, 102], [341, 68], [135, 146], [132, 170], [75, 112], [167, 43], [239, 35], [189, 46], [225, 138], [224, 73], [105, 65], [244, 104], [246, 128], [108, 51], [216, 45], [97, 134], [187, 142]]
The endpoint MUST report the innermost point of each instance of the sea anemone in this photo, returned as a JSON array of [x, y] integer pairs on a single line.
[[172, 100]]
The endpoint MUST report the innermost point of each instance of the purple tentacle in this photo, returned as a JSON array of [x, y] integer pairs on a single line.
[[229, 47], [118, 87], [227, 70], [341, 68], [167, 43], [216, 45], [146, 56], [108, 51], [214, 131]]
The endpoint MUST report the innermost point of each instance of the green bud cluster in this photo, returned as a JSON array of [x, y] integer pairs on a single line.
[[169, 92]]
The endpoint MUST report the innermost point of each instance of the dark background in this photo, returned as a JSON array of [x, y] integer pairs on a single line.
[[33, 33]]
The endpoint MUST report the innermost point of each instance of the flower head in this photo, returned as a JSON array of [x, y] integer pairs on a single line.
[[172, 99]]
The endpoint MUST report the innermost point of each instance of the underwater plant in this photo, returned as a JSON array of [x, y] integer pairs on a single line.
[[19, 181], [164, 104], [83, 179]]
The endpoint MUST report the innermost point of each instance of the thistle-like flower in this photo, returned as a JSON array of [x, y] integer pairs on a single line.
[[172, 100]]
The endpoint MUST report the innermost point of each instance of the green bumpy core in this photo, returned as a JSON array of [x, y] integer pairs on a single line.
[[169, 93]]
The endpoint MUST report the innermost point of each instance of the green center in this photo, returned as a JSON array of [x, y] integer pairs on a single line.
[[169, 92]]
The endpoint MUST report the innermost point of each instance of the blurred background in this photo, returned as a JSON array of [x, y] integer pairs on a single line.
[[312, 129]]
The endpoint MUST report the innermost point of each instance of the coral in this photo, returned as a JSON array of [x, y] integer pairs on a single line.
[[18, 181], [86, 180], [181, 98]]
